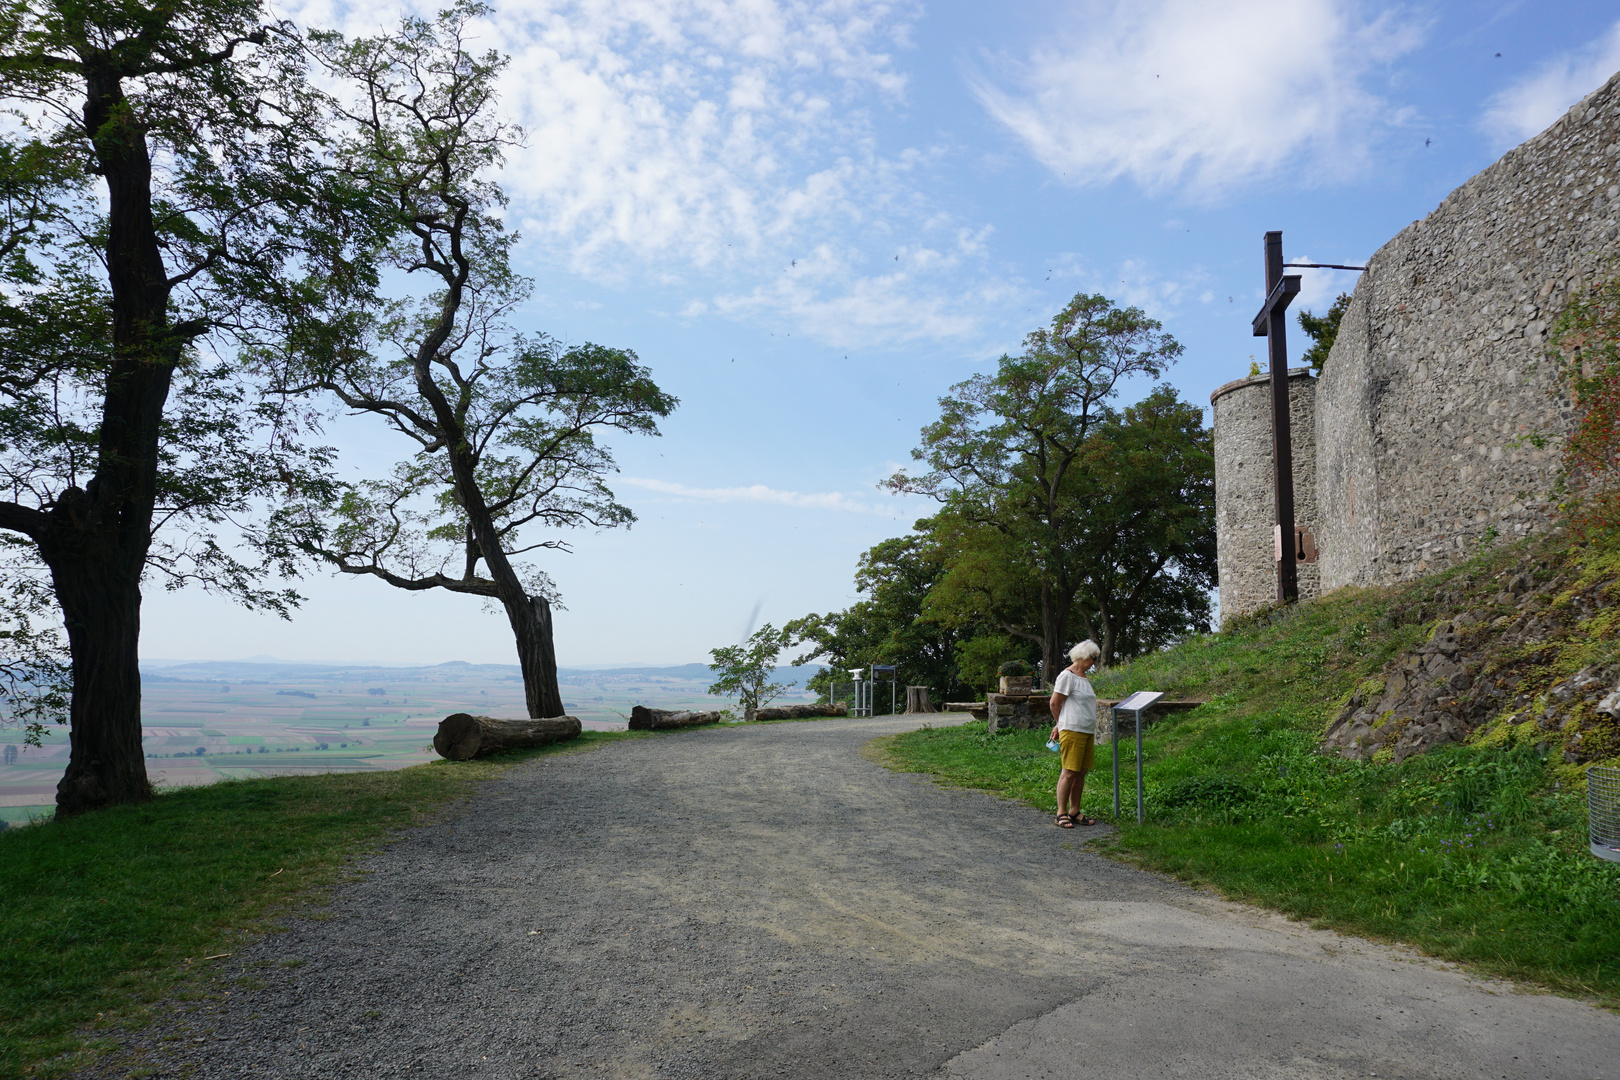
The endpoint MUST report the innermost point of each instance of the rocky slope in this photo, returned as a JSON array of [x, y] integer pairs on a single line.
[[1522, 653]]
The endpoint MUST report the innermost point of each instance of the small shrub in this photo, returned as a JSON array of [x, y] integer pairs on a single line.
[[1015, 669], [1205, 791]]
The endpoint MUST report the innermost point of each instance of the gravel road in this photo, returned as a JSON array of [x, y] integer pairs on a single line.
[[762, 901]]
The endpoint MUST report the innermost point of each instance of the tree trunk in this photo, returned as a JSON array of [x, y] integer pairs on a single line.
[[917, 700], [800, 712], [462, 736], [1108, 638], [102, 612], [537, 656], [645, 719], [1054, 624], [530, 616], [97, 538]]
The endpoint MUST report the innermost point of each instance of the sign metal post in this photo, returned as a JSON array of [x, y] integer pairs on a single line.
[[888, 670], [1137, 705]]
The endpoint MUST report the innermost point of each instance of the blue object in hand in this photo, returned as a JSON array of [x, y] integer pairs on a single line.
[[1052, 745]]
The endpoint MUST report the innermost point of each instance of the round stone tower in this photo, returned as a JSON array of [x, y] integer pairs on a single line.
[[1245, 498]]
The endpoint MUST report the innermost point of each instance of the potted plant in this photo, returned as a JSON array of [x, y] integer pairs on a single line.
[[1017, 677]]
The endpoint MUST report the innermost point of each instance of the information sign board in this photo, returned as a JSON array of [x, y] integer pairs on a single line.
[[1137, 703]]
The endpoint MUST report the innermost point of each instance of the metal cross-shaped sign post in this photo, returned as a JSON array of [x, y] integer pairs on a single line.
[[1271, 324]]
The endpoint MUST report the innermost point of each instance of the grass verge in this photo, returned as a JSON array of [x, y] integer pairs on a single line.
[[107, 912], [1474, 852]]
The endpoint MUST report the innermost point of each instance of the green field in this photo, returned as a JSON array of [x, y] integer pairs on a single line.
[[262, 719]]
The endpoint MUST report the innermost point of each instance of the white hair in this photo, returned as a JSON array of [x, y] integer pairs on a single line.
[[1086, 650]]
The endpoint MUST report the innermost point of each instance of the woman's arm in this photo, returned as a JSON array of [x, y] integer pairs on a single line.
[[1057, 711]]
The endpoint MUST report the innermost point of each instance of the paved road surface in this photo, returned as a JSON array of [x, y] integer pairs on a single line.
[[764, 902]]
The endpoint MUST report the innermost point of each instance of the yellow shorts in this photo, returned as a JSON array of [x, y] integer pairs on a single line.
[[1079, 750]]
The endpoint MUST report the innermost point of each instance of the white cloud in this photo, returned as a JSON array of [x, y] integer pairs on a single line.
[[705, 144], [826, 294], [1185, 93], [759, 493], [1528, 106]]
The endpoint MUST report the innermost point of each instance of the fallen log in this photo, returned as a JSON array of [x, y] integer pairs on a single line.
[[645, 719], [917, 700], [463, 736], [800, 712]]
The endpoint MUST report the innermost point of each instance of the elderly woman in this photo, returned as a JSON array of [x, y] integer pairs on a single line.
[[1074, 726]]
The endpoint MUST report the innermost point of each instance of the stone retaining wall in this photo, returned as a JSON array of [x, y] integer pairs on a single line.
[[1437, 383]]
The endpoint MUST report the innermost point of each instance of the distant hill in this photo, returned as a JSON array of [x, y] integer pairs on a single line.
[[272, 670]]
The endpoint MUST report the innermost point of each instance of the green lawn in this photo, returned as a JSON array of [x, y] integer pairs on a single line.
[[1474, 852], [106, 912]]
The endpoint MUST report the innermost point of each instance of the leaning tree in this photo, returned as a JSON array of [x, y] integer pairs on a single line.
[[160, 206], [502, 427]]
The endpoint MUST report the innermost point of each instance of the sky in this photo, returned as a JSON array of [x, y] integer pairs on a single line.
[[810, 219]]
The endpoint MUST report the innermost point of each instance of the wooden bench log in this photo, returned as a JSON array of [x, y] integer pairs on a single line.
[[800, 712], [463, 736], [645, 719]]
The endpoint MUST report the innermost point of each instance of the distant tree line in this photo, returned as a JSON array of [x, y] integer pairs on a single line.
[[1062, 515]]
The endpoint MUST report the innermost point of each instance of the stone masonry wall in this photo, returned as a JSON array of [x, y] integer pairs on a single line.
[[1426, 407], [1245, 498]]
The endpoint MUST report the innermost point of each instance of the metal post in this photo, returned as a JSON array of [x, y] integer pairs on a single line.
[[1139, 815], [1114, 723]]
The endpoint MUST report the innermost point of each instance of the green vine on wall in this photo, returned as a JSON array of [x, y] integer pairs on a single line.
[[1586, 349]]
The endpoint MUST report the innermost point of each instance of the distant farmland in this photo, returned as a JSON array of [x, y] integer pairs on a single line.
[[263, 719]]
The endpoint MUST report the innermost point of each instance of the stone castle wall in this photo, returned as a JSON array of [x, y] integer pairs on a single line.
[[1245, 497], [1437, 379], [1429, 408]]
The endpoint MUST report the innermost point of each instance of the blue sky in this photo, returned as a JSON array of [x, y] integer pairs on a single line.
[[810, 219]]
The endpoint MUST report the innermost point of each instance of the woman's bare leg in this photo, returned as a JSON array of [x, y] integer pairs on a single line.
[[1065, 784], [1077, 788]]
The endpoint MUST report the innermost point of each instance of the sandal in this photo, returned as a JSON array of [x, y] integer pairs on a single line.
[[1064, 821], [1083, 820]]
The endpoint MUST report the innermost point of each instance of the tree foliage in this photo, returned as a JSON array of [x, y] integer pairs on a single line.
[[503, 427], [1323, 331], [1034, 466], [35, 677], [889, 626], [162, 205], [744, 671]]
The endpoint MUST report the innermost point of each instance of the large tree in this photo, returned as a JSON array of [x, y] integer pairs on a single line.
[[159, 208], [503, 428], [1012, 451], [1148, 527]]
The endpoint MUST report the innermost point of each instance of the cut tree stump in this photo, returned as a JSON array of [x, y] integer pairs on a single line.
[[645, 719], [800, 712], [917, 700], [463, 736]]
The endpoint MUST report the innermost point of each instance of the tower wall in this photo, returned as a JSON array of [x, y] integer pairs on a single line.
[[1245, 493]]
